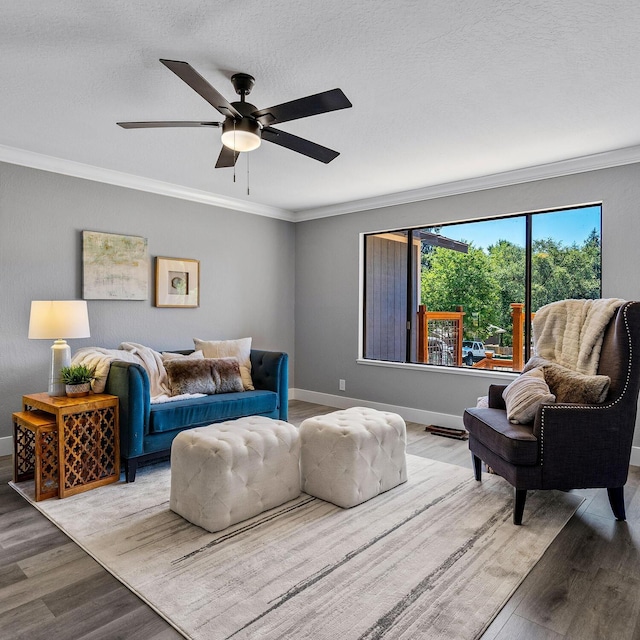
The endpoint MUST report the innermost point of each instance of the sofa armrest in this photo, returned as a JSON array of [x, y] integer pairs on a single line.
[[496, 401], [130, 383], [270, 371]]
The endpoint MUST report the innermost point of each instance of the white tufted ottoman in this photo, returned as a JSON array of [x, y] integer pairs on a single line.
[[228, 472], [348, 457]]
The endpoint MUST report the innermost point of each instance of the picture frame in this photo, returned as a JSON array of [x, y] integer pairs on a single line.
[[114, 266], [177, 282]]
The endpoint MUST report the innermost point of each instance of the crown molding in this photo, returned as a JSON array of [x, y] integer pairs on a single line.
[[34, 160], [604, 160]]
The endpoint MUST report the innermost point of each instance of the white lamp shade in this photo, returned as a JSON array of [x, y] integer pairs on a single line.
[[55, 319]]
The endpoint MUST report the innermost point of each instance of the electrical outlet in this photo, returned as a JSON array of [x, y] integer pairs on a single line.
[[341, 385]]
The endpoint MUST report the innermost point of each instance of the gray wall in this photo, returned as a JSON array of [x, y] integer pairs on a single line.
[[249, 276], [246, 272], [327, 273]]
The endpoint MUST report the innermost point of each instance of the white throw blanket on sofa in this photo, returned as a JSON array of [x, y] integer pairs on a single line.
[[101, 359], [570, 332]]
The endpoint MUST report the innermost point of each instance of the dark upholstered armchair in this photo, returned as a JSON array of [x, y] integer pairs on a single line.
[[568, 446]]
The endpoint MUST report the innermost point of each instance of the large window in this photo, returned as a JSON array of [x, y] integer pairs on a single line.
[[464, 294]]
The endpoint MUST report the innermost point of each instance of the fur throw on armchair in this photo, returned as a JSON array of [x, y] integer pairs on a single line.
[[570, 332], [567, 340]]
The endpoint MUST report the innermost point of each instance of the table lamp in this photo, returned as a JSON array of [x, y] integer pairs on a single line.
[[57, 320]]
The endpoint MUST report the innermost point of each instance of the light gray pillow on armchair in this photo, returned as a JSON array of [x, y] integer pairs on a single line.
[[525, 394]]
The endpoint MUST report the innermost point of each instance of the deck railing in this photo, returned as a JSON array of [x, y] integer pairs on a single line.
[[515, 363], [424, 316]]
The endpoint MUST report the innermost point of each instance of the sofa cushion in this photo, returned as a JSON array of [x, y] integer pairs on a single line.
[[197, 412], [515, 443]]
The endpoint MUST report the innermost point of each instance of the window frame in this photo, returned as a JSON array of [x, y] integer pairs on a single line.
[[408, 362]]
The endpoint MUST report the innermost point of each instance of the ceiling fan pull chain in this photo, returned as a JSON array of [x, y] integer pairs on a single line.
[[248, 193], [234, 150]]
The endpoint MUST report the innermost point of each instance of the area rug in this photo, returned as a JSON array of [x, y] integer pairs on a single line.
[[436, 557]]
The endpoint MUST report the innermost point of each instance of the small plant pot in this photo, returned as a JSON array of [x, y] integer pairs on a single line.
[[78, 390]]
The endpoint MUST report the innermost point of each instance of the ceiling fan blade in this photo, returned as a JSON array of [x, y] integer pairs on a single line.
[[301, 145], [303, 107], [227, 158], [188, 74], [167, 123]]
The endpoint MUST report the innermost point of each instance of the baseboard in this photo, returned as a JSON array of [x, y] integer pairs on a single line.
[[408, 413], [341, 402], [6, 446]]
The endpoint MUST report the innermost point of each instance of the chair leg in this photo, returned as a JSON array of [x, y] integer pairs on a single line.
[[616, 500], [477, 467], [520, 497]]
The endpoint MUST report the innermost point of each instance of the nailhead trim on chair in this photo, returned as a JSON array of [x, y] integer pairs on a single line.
[[591, 407]]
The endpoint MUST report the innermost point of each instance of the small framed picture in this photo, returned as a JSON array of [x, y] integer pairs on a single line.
[[177, 282]]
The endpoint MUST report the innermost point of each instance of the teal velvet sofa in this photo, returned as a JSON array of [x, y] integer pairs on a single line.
[[147, 430]]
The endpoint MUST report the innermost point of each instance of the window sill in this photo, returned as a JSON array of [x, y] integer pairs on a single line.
[[507, 376]]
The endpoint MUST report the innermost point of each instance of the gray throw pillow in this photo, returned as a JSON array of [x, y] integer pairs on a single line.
[[569, 385]]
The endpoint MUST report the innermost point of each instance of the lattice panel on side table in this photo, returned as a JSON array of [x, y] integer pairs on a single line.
[[36, 451], [47, 463], [24, 457], [89, 447]]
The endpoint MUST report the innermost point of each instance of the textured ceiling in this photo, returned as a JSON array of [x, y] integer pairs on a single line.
[[441, 90]]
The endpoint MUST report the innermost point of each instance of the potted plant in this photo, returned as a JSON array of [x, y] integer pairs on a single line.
[[77, 379]]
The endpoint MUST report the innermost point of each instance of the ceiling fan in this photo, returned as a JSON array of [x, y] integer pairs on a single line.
[[244, 125]]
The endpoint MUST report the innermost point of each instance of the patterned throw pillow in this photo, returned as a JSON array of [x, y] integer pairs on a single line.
[[525, 394]]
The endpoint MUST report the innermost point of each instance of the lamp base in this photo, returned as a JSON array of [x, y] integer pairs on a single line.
[[60, 357]]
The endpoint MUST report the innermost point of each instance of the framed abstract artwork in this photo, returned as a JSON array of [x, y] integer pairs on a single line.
[[177, 282], [114, 267]]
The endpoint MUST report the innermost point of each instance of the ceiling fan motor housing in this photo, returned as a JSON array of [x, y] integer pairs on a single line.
[[242, 83]]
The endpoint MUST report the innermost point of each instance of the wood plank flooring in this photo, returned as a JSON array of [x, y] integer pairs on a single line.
[[586, 586]]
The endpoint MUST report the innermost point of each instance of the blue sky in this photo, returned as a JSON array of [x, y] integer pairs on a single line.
[[569, 226]]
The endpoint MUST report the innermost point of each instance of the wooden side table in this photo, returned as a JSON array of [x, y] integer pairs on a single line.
[[35, 438], [88, 439]]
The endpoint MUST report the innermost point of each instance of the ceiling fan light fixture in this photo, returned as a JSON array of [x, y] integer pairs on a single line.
[[244, 136]]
